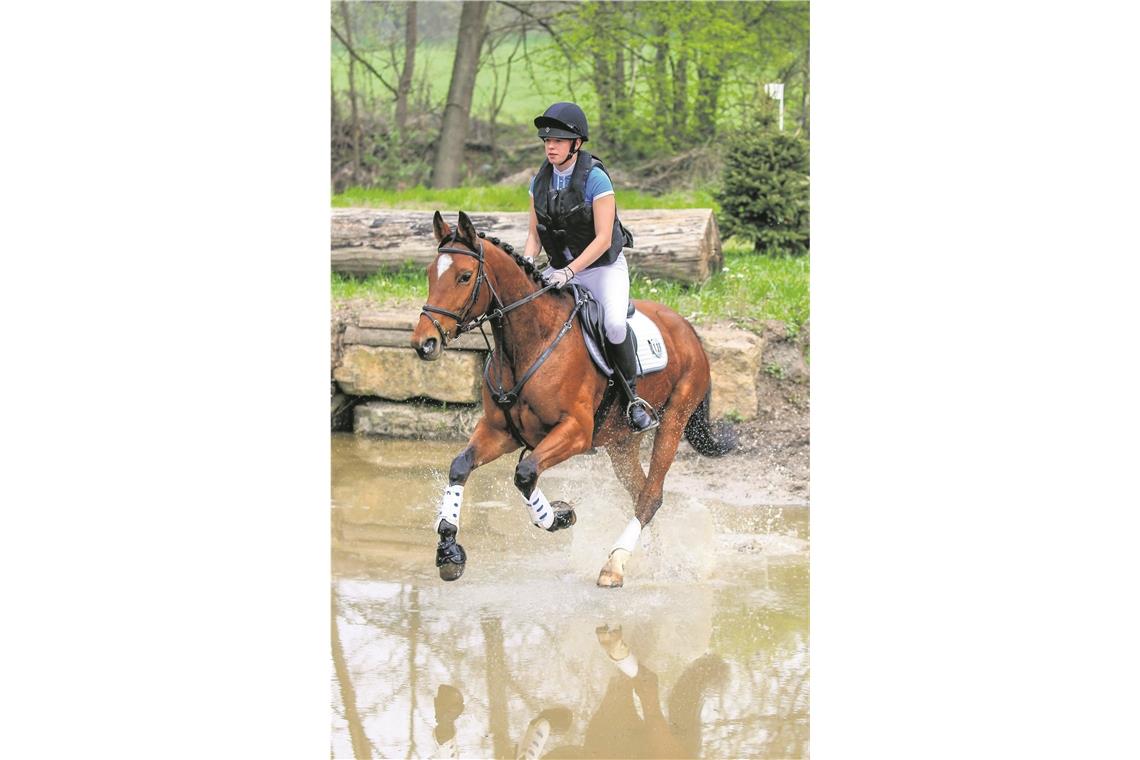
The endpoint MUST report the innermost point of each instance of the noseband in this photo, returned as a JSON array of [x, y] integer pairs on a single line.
[[461, 320]]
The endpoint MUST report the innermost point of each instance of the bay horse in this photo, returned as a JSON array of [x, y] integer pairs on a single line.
[[556, 392]]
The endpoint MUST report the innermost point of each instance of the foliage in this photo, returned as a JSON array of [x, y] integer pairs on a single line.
[[657, 79], [765, 195]]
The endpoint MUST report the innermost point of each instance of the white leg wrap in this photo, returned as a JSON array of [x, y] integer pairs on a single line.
[[540, 512], [448, 508], [534, 741], [628, 538], [627, 665]]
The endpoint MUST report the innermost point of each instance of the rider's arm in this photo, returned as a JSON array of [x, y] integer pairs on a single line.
[[605, 209], [533, 244]]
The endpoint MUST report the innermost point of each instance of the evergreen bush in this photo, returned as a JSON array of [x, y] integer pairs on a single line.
[[765, 196]]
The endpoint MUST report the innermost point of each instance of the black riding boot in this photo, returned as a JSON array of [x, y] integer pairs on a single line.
[[624, 358]]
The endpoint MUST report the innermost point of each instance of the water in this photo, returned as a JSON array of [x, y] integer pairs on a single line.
[[522, 652]]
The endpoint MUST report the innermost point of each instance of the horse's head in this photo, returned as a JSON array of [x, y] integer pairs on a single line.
[[456, 287]]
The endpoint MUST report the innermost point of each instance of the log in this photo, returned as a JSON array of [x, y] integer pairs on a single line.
[[394, 329], [672, 244]]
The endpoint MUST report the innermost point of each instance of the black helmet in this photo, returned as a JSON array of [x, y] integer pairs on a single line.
[[565, 120]]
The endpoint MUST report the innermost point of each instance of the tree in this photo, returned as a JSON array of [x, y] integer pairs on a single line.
[[446, 171]]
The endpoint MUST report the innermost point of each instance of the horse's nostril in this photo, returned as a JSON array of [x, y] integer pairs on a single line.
[[429, 347]]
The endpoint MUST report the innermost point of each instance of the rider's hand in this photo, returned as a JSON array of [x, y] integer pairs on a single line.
[[559, 277]]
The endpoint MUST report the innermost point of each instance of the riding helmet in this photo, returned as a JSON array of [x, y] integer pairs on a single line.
[[565, 120]]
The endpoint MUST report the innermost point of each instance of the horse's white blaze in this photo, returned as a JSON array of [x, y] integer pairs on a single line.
[[442, 264]]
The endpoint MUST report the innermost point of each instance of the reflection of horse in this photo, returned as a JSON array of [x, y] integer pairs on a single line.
[[616, 729], [557, 403]]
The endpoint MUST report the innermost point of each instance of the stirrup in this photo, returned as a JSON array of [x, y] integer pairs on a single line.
[[638, 401]]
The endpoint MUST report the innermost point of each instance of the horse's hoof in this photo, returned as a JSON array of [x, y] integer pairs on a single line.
[[449, 555], [563, 518], [451, 571], [610, 580]]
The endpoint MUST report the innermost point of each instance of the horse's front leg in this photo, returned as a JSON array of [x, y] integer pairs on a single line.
[[567, 438], [486, 444]]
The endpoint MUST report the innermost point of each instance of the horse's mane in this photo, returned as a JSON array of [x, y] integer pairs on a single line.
[[524, 263]]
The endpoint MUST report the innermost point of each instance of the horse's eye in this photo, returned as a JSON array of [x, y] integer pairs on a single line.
[[464, 277]]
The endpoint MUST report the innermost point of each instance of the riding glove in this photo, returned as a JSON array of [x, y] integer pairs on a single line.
[[559, 277]]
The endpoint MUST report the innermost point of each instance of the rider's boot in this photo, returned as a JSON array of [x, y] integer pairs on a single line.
[[638, 411]]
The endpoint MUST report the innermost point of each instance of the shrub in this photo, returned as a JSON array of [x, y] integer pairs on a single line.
[[765, 191]]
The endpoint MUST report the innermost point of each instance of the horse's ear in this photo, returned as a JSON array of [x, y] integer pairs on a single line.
[[467, 229], [440, 226]]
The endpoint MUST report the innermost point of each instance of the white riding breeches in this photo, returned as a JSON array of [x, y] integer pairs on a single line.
[[609, 285]]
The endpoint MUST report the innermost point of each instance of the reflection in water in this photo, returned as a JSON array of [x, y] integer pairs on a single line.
[[527, 659]]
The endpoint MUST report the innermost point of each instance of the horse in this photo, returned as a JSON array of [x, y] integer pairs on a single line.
[[556, 405]]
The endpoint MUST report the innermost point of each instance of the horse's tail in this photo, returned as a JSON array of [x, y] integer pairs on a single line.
[[712, 440]]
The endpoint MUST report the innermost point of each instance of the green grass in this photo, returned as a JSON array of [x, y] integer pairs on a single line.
[[750, 289], [501, 198], [408, 285]]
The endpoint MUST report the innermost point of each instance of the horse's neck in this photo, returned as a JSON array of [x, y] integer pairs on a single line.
[[525, 332]]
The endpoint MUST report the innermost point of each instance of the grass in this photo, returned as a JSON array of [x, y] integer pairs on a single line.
[[501, 198], [750, 289]]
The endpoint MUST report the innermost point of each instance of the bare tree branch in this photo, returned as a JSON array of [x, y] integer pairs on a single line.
[[363, 62]]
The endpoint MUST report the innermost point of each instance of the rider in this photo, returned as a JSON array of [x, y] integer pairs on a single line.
[[573, 215]]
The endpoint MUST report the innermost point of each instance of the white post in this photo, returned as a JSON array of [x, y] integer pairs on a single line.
[[776, 90]]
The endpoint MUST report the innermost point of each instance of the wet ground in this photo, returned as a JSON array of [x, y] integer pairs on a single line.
[[704, 653]]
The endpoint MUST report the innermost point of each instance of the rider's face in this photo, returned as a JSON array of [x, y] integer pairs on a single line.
[[557, 149]]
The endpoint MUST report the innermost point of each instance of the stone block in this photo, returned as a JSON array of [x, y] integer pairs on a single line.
[[734, 359], [399, 374], [419, 421]]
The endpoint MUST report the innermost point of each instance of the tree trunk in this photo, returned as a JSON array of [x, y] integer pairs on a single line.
[[681, 101], [661, 107], [356, 161], [708, 90], [405, 85], [674, 244], [447, 170]]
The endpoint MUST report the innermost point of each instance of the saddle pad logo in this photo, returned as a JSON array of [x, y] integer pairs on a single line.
[[656, 347]]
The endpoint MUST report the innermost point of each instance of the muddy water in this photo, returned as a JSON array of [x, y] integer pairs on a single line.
[[704, 653]]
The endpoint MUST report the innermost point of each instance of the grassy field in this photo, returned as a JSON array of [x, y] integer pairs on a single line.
[[749, 290], [499, 198], [433, 65]]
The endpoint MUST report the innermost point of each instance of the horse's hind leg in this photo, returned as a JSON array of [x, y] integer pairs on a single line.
[[626, 459], [486, 444], [648, 499]]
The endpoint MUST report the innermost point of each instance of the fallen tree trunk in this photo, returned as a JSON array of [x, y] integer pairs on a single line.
[[673, 244]]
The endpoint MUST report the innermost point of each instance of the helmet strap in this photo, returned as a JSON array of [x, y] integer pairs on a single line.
[[573, 151]]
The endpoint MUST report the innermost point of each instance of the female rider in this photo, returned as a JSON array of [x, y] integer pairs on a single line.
[[573, 216]]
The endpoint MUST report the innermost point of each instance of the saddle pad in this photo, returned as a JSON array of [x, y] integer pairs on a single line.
[[651, 352]]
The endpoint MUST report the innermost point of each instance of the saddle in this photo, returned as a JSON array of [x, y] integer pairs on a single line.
[[651, 353]]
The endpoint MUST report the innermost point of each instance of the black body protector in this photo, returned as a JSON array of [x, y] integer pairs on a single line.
[[565, 220]]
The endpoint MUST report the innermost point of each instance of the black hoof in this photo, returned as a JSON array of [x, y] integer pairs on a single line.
[[451, 572], [563, 518], [449, 555]]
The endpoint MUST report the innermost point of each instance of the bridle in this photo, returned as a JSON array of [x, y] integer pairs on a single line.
[[496, 313], [461, 320]]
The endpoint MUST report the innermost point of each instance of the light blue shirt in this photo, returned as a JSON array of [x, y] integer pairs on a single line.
[[598, 185]]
